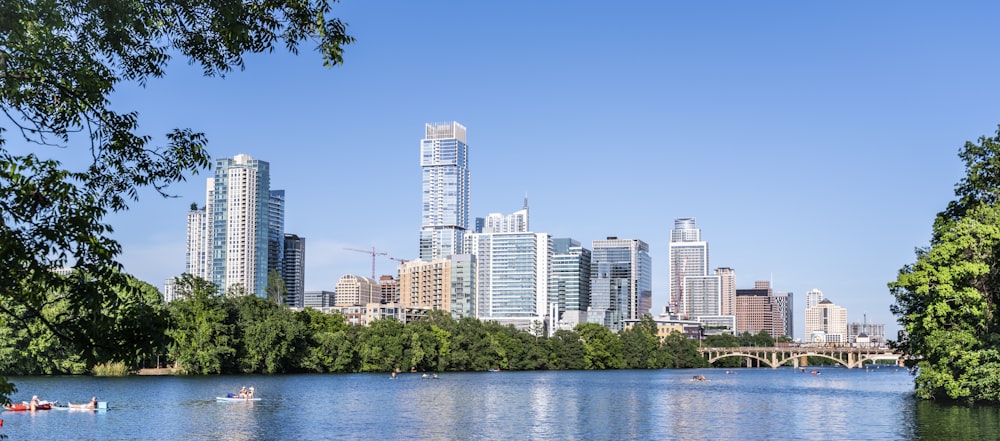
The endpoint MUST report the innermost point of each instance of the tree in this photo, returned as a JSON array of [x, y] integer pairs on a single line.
[[641, 345], [201, 331], [60, 62], [276, 289], [603, 348], [946, 300]]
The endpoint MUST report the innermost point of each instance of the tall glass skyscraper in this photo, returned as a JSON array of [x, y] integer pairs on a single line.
[[231, 233], [275, 230], [294, 269], [445, 209], [621, 282]]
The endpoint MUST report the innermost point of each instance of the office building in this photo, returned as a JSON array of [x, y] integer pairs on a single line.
[[445, 180], [813, 297], [293, 269], [317, 299], [569, 284], [512, 277], [353, 290], [621, 285], [760, 309], [826, 323]]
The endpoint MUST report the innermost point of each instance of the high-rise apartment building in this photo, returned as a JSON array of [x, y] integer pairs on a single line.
[[445, 179], [275, 230], [234, 228], [727, 280], [826, 323], [198, 263], [569, 284], [512, 277], [621, 285], [688, 256], [293, 269], [516, 222]]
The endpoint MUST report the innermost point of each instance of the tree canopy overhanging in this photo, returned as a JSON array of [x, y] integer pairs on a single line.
[[60, 61], [946, 301]]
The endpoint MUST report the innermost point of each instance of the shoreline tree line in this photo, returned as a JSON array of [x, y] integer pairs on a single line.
[[205, 332]]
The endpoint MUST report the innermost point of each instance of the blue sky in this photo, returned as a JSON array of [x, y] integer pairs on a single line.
[[813, 141]]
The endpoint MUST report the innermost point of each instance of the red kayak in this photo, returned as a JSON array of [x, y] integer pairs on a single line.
[[24, 406]]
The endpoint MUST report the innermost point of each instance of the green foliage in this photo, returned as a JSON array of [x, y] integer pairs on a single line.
[[112, 369], [60, 63], [275, 289], [602, 348], [641, 346], [202, 336], [946, 300]]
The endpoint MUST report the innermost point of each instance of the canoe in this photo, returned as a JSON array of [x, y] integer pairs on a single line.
[[227, 399]]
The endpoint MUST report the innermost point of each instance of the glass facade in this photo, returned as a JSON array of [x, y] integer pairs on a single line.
[[620, 282], [569, 286], [275, 230], [512, 276], [445, 190], [238, 220], [294, 269]]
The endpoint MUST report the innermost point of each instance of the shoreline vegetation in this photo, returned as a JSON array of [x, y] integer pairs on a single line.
[[205, 333]]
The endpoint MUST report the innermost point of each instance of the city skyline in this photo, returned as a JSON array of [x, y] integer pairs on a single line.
[[815, 156]]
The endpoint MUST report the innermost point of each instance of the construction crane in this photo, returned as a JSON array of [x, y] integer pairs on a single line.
[[373, 253], [401, 261]]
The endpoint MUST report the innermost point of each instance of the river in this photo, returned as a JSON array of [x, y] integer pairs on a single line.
[[763, 403]]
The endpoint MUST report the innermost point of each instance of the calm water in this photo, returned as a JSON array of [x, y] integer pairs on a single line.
[[574, 405]]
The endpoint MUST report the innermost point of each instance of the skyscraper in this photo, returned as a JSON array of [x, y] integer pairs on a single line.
[[760, 309], [826, 323], [512, 276], [293, 270], [233, 227], [275, 230], [198, 263], [620, 282], [445, 179], [569, 285], [688, 256]]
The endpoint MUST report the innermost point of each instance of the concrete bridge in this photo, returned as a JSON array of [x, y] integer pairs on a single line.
[[791, 356]]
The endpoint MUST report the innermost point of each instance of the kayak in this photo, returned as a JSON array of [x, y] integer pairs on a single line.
[[235, 399]]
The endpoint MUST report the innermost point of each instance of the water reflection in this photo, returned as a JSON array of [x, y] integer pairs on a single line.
[[936, 421], [573, 405]]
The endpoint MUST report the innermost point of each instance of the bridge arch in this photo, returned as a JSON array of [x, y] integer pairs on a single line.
[[742, 355], [777, 356]]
